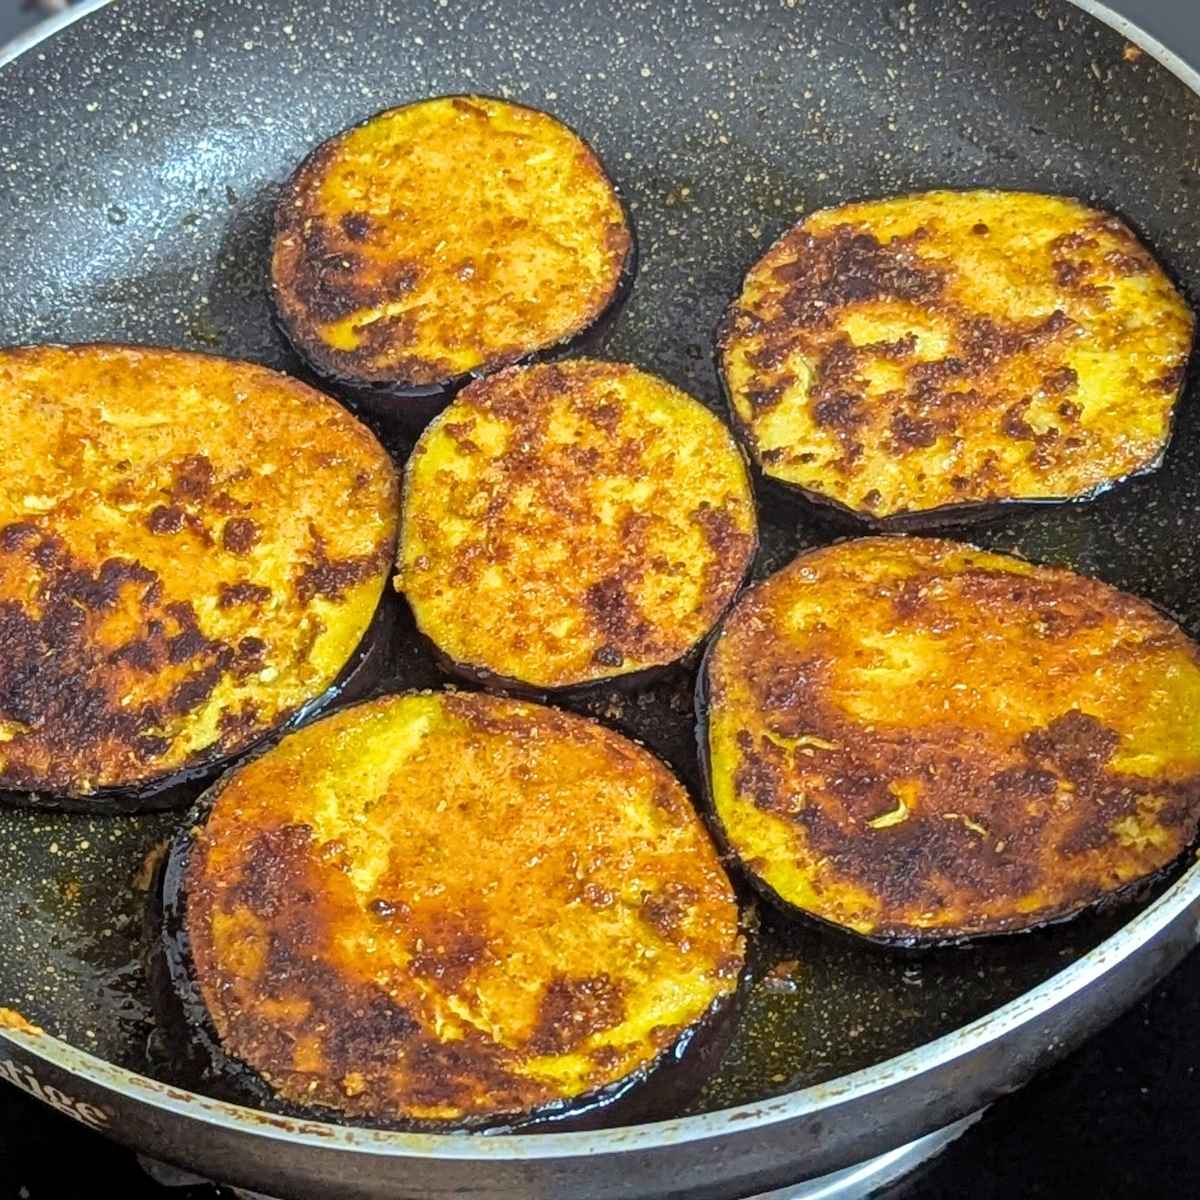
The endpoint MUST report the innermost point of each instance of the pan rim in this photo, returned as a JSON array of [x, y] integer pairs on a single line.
[[1178, 903]]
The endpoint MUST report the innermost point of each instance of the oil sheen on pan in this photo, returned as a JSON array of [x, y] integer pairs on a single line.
[[919, 741], [939, 353], [445, 238], [191, 550], [572, 522], [455, 910]]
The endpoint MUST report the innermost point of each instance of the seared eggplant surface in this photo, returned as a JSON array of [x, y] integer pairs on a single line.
[[571, 522], [446, 237], [190, 551], [955, 349], [454, 909], [921, 742]]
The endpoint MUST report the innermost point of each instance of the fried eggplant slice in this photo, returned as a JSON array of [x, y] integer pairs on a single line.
[[568, 523], [191, 549], [923, 742], [450, 909], [930, 356], [443, 239]]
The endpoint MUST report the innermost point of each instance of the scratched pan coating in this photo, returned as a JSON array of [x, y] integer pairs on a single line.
[[141, 152]]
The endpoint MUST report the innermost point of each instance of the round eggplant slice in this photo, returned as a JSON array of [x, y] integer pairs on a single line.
[[191, 550], [443, 239], [927, 356], [452, 909], [566, 523], [922, 742]]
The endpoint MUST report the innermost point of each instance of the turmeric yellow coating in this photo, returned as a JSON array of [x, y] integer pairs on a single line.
[[573, 521], [190, 549], [453, 906], [902, 355], [919, 740], [451, 235]]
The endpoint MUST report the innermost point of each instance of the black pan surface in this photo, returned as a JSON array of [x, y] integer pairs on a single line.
[[140, 154]]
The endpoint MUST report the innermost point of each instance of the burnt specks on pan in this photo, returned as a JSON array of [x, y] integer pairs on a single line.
[[146, 630], [987, 747], [570, 522], [367, 968], [492, 232], [892, 359]]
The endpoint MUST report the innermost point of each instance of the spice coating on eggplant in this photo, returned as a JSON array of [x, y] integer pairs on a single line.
[[571, 522], [920, 741], [453, 235], [949, 349], [191, 549], [454, 908]]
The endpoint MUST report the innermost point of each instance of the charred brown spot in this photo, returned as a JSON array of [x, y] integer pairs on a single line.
[[232, 595], [1013, 423], [846, 266], [842, 411], [615, 613], [194, 690], [1077, 743], [979, 229], [193, 478], [165, 518], [666, 910], [1063, 379], [356, 226], [16, 535], [1172, 381], [276, 870], [330, 578], [448, 951], [911, 433], [608, 656], [240, 535], [571, 1010]]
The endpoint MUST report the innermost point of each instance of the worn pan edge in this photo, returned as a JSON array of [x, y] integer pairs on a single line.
[[1176, 906]]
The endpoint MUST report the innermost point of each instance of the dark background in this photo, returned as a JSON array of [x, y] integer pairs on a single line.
[[1118, 1118]]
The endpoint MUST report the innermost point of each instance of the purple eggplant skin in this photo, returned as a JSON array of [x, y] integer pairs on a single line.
[[191, 1048], [178, 788], [914, 946], [946, 516], [406, 409]]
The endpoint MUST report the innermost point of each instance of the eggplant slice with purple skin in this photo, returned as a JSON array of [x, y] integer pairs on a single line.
[[440, 241], [450, 911], [192, 552], [924, 743], [934, 357], [572, 523]]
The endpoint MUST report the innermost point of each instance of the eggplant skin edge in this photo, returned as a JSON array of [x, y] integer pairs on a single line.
[[199, 1062], [898, 939], [409, 407]]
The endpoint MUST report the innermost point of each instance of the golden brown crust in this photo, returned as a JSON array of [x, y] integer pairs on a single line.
[[452, 235], [901, 355], [573, 521], [920, 740], [453, 906], [190, 549]]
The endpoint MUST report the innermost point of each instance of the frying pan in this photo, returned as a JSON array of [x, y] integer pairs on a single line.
[[141, 147]]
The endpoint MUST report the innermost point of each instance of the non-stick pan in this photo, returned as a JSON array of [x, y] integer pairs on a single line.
[[141, 148]]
